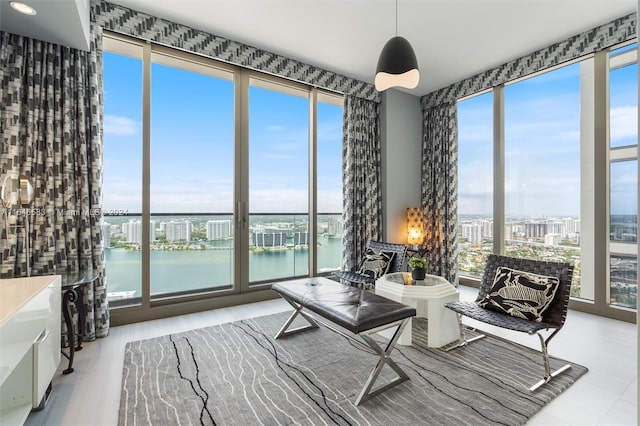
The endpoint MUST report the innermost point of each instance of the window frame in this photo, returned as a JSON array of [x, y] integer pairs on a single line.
[[603, 156], [148, 307]]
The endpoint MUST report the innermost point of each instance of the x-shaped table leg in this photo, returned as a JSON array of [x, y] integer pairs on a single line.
[[385, 358], [297, 309]]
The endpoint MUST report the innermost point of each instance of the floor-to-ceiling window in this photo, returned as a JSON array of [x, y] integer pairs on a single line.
[[475, 183], [329, 183], [569, 187], [278, 181], [212, 176], [192, 171], [623, 177], [122, 201], [542, 167]]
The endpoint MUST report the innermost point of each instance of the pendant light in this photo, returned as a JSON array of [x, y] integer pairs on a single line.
[[397, 64]]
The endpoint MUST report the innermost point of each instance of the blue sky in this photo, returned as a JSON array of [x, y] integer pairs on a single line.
[[542, 146], [192, 145], [192, 150]]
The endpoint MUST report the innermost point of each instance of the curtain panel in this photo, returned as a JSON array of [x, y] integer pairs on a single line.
[[51, 132], [361, 179], [440, 189]]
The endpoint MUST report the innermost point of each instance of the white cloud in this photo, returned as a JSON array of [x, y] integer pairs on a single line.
[[120, 126], [275, 128], [624, 122]]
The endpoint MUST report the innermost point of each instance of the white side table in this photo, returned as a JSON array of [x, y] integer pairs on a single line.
[[428, 297]]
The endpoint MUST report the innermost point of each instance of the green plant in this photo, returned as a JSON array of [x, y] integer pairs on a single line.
[[417, 263]]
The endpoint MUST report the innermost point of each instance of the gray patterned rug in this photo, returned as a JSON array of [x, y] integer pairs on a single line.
[[236, 374]]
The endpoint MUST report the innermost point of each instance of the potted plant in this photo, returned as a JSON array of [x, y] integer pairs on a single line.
[[417, 265]]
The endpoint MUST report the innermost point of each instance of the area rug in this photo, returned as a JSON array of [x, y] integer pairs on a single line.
[[237, 374]]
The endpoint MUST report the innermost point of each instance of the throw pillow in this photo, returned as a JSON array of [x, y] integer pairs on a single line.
[[520, 294], [376, 263]]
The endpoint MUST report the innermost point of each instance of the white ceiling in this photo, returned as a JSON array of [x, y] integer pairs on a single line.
[[64, 22], [453, 39]]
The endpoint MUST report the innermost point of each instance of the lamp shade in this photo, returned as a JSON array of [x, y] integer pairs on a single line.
[[397, 65], [415, 226]]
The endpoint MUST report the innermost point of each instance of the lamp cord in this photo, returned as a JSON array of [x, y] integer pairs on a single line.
[[396, 18]]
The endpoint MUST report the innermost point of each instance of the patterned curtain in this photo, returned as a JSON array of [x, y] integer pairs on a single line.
[[361, 179], [440, 189], [51, 132]]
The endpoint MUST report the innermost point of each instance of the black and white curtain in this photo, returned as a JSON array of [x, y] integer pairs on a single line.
[[51, 132], [361, 178], [440, 189]]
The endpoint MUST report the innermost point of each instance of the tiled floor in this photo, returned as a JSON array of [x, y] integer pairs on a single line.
[[606, 395]]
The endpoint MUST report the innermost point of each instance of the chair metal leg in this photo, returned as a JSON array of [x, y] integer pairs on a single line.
[[464, 341], [548, 374]]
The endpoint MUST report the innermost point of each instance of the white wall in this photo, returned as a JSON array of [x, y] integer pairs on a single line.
[[401, 135]]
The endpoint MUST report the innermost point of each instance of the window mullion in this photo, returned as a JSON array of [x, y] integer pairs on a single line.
[[601, 178], [498, 170], [146, 176]]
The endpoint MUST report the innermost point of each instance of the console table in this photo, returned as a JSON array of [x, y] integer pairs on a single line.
[[29, 344], [428, 296]]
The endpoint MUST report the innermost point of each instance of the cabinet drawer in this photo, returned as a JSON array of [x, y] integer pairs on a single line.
[[46, 357], [18, 333]]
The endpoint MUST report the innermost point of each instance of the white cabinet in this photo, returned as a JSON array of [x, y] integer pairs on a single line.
[[29, 343]]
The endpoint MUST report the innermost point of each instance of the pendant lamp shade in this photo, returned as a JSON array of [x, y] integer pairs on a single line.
[[397, 65]]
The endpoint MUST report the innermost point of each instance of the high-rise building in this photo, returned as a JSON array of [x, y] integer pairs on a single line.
[[535, 230], [572, 225], [269, 239], [487, 228], [552, 239], [472, 232], [280, 228], [517, 230], [301, 238], [335, 226], [508, 232], [218, 229], [133, 230], [178, 230], [556, 227], [106, 234]]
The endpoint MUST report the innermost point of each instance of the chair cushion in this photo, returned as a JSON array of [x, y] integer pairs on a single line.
[[472, 310], [520, 294], [375, 263]]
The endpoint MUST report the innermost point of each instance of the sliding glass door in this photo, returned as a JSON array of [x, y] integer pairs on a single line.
[[192, 172], [278, 181], [222, 180]]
